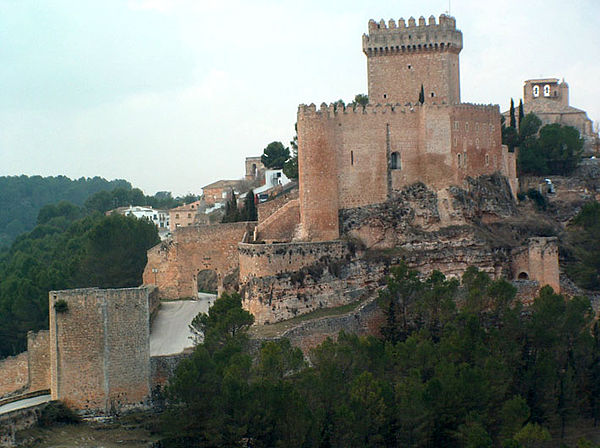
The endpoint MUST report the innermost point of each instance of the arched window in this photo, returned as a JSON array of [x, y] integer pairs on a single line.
[[547, 90], [523, 276], [536, 91], [395, 161], [459, 161]]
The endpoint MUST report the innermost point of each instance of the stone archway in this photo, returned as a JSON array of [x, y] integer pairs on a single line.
[[523, 276], [207, 281]]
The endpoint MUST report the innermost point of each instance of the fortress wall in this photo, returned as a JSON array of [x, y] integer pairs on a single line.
[[38, 352], [476, 132], [263, 260], [281, 225], [100, 348], [266, 209], [14, 374], [318, 176], [189, 251], [428, 140]]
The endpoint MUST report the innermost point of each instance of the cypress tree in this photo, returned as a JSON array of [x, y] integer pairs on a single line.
[[513, 123], [422, 95], [249, 212], [521, 114]]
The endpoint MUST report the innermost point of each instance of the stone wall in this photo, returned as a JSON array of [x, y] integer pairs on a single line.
[[266, 209], [353, 157], [367, 319], [28, 371], [538, 261], [38, 353], [99, 348], [263, 260], [281, 225], [174, 263], [14, 374], [163, 367]]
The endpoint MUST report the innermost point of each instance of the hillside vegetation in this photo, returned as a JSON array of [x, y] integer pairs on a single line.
[[67, 249], [456, 366], [22, 197]]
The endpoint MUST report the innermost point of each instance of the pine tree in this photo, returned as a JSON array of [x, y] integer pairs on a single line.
[[521, 113], [422, 95], [513, 123]]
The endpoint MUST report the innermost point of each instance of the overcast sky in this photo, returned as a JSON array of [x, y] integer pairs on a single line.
[[173, 95]]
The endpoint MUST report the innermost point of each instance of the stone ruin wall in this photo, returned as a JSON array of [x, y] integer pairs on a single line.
[[28, 371], [14, 374], [99, 348], [191, 250]]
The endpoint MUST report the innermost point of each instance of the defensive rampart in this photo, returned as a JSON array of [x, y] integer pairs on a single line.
[[174, 263], [352, 156], [99, 348], [28, 371]]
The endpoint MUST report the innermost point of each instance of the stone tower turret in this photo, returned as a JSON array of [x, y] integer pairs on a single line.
[[401, 58]]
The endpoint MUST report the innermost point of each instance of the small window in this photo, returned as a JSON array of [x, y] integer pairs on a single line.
[[395, 161], [487, 160], [464, 160], [459, 161], [456, 125], [455, 141], [467, 126], [477, 143], [385, 95], [432, 94], [189, 215], [536, 91], [176, 215], [547, 90], [351, 157]]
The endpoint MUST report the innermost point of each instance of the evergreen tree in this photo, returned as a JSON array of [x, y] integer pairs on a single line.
[[521, 113], [232, 212], [249, 212], [512, 114]]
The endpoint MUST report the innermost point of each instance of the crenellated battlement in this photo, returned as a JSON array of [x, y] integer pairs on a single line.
[[401, 37], [335, 109]]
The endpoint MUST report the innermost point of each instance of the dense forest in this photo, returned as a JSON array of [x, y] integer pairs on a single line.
[[457, 365], [21, 198], [70, 247]]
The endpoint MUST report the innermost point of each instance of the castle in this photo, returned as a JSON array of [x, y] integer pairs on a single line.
[[405, 173]]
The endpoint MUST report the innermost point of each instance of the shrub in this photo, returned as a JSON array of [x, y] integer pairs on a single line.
[[57, 412]]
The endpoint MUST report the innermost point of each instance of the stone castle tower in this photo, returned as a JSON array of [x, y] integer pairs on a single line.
[[350, 156], [401, 59]]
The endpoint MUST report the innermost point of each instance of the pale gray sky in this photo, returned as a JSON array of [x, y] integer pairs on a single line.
[[174, 94]]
